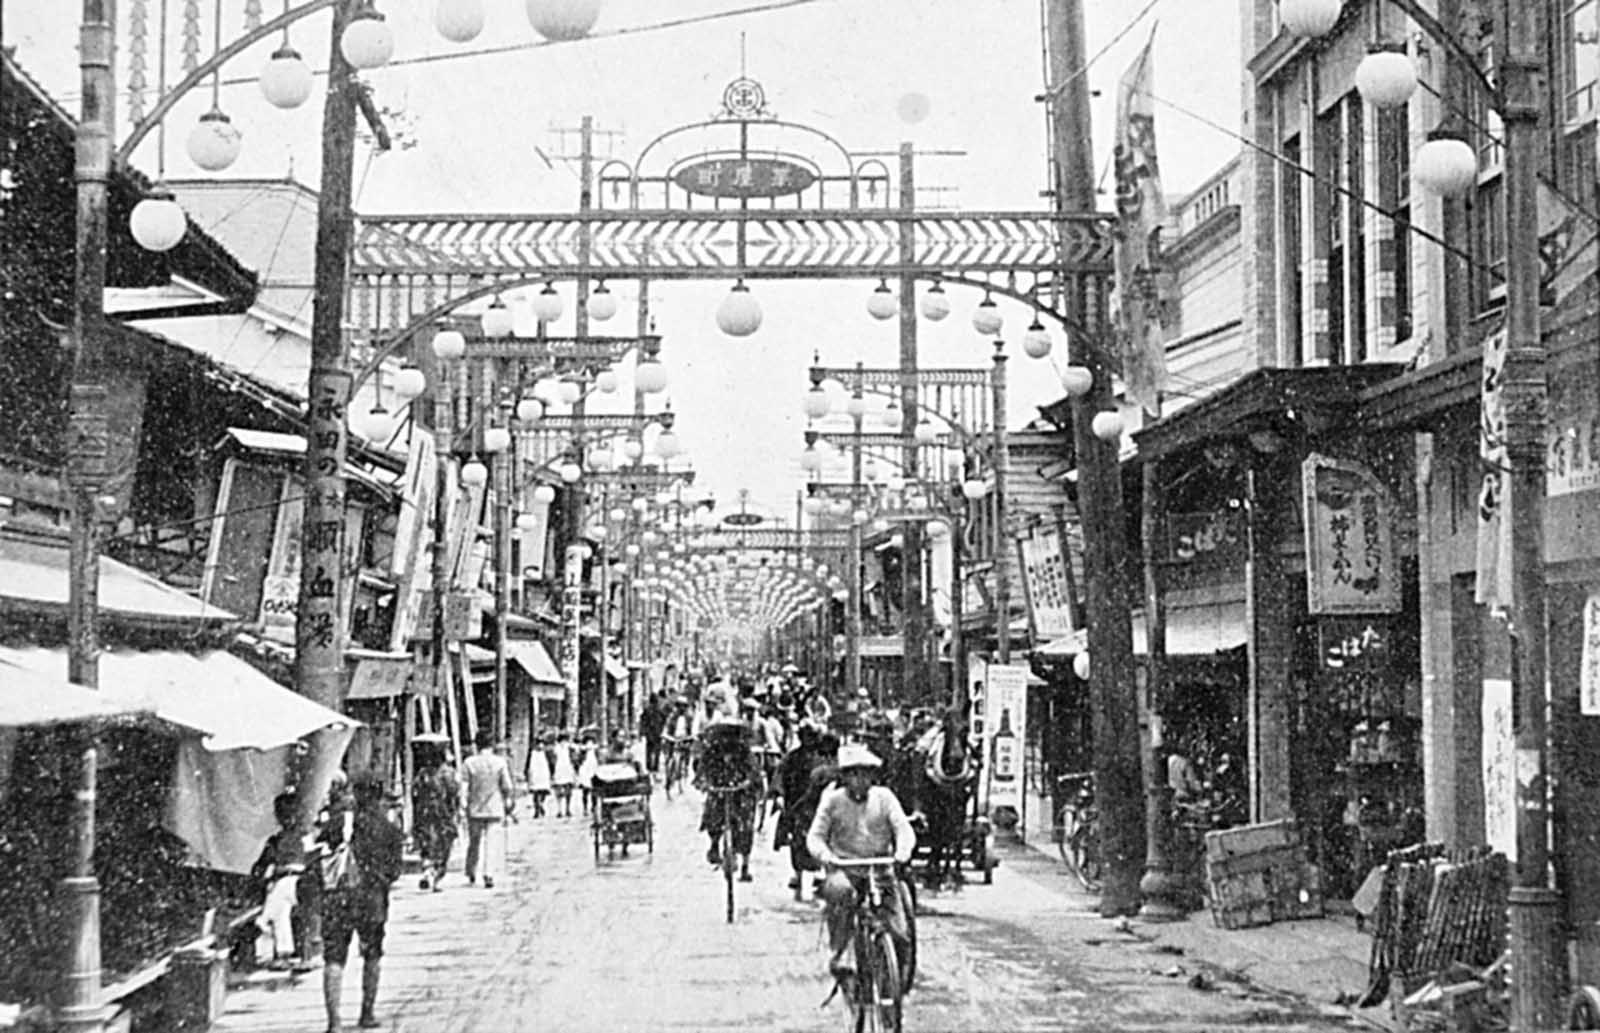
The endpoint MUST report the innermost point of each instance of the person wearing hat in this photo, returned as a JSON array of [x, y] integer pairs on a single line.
[[359, 909], [855, 820], [436, 804]]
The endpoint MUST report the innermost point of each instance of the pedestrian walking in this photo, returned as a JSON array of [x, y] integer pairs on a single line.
[[653, 725], [486, 779], [436, 803], [539, 774], [589, 760], [563, 775], [361, 852]]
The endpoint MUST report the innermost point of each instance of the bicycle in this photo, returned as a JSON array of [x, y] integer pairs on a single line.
[[1077, 829], [728, 797], [676, 767], [877, 993]]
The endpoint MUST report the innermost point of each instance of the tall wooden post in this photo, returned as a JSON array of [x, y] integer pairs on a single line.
[[915, 687], [1108, 571], [1162, 894], [81, 1004], [1002, 512]]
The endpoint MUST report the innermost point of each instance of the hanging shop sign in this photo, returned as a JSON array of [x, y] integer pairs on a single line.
[[1350, 559], [1044, 564], [1572, 453], [1005, 704], [1499, 768], [744, 177], [1589, 676]]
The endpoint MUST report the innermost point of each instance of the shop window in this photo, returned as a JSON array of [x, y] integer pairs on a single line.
[[1489, 245]]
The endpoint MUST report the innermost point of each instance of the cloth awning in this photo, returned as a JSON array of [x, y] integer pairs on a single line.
[[1191, 631], [28, 698], [33, 576], [533, 658], [227, 702]]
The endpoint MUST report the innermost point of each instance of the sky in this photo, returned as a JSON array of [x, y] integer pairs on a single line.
[[481, 126]]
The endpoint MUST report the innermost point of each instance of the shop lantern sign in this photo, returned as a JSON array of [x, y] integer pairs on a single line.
[[1350, 558]]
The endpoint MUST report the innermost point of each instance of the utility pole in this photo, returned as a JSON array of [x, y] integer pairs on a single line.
[[319, 635], [1118, 782], [915, 687], [81, 1005], [1002, 512], [1535, 960]]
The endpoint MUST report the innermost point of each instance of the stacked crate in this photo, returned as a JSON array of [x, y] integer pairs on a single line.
[[1259, 874]]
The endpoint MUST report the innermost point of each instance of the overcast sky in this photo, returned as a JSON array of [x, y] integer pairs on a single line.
[[475, 124]]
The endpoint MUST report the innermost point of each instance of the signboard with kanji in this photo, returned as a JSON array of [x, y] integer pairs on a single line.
[[1351, 565], [744, 177]]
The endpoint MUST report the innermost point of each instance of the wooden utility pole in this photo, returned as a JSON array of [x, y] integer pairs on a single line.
[[81, 1005], [916, 684], [1118, 783], [319, 631]]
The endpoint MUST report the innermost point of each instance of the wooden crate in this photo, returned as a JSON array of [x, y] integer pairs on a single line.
[[1260, 861], [1251, 839], [1241, 900]]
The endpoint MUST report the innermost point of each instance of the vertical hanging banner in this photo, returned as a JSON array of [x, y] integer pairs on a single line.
[[280, 589], [1005, 730], [1499, 768], [411, 564], [1044, 564], [1494, 528], [1589, 672], [534, 539], [1350, 560], [1141, 209]]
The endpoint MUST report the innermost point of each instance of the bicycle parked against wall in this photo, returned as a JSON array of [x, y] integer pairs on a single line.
[[1077, 828]]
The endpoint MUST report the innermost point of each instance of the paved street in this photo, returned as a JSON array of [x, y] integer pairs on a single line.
[[639, 944]]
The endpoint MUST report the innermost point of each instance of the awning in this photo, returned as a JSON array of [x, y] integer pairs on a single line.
[[533, 658], [33, 575], [1191, 631], [229, 703], [27, 698]]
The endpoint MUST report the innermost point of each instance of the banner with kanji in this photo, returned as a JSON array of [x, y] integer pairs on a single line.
[[1494, 526], [1141, 209]]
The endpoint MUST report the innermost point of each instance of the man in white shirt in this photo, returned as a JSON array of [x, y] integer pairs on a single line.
[[487, 794], [855, 820]]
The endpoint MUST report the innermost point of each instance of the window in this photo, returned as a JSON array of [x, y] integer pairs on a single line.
[[1290, 260], [1341, 230], [1489, 245], [1394, 198], [1580, 43]]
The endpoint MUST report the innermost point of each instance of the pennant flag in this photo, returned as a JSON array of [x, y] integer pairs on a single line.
[[1141, 209], [1494, 523]]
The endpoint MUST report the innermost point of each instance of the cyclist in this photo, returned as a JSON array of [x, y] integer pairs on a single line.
[[729, 764], [854, 820]]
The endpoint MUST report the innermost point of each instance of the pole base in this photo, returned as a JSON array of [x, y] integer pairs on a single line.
[[1163, 897], [1536, 967]]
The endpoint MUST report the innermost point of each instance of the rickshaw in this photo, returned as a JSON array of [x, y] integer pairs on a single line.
[[621, 810]]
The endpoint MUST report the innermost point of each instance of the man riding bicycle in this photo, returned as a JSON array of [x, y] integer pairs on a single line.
[[855, 820]]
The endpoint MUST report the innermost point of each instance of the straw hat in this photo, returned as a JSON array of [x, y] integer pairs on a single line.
[[854, 755]]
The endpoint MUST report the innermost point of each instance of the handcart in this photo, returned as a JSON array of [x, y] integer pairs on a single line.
[[621, 810]]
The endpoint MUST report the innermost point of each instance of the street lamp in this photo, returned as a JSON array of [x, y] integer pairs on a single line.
[[739, 315]]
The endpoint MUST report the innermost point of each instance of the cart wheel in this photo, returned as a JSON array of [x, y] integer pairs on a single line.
[[1583, 1011]]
